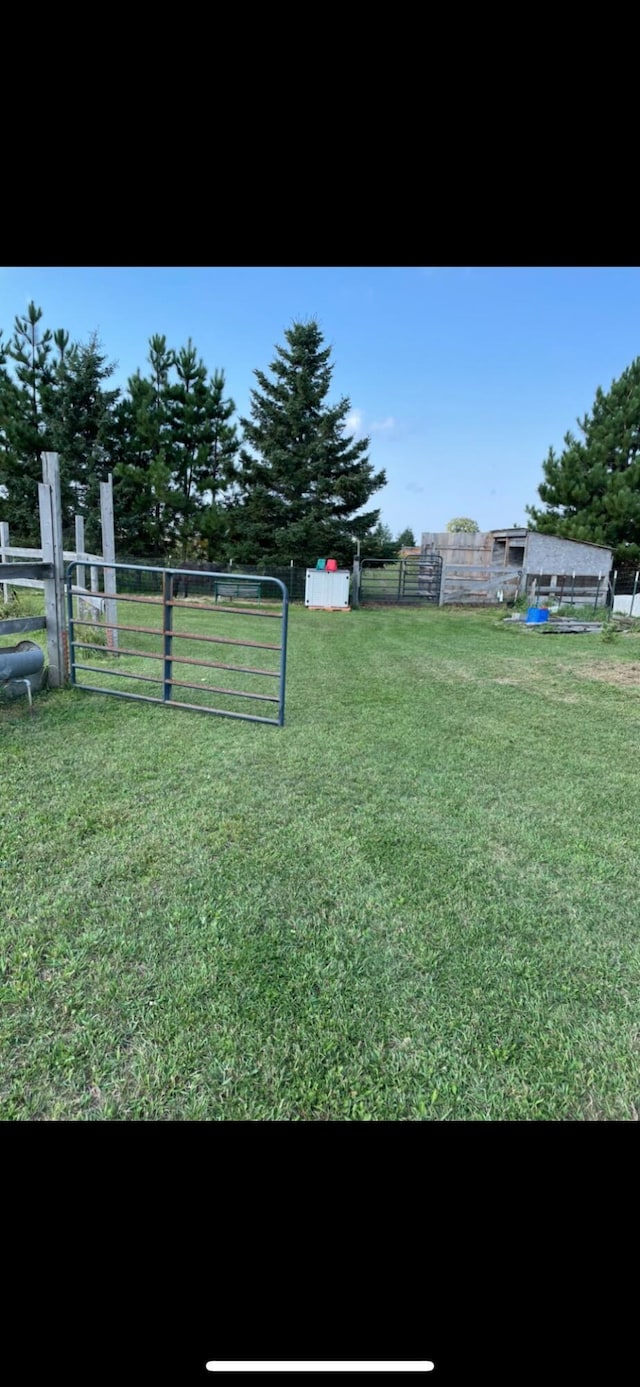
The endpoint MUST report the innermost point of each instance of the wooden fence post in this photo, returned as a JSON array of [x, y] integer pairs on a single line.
[[355, 594], [51, 536], [443, 583], [109, 555], [4, 544], [80, 572]]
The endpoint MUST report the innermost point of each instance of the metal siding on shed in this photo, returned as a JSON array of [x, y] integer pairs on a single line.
[[551, 554]]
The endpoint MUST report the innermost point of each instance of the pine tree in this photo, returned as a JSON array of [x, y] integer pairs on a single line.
[[200, 452], [141, 470], [380, 544], [305, 480], [224, 449], [406, 539], [592, 491], [79, 417], [30, 351], [9, 463]]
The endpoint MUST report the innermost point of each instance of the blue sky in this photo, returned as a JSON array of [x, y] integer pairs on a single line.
[[462, 377]]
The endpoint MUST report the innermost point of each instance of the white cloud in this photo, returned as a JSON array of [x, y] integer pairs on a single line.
[[383, 425], [354, 421]]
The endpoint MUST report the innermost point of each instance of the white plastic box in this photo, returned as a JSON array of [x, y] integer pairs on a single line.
[[324, 589]]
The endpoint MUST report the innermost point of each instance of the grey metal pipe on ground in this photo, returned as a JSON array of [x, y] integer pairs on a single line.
[[20, 661]]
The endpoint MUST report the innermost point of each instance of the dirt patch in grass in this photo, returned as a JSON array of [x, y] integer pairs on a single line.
[[622, 676], [541, 681]]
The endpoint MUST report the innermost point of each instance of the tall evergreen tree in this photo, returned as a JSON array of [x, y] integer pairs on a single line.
[[406, 539], [303, 479], [9, 462], [224, 449], [380, 544], [201, 449], [79, 417], [30, 351], [592, 491], [141, 470]]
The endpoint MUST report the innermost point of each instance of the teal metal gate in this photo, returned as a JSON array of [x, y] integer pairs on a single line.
[[95, 627], [406, 582]]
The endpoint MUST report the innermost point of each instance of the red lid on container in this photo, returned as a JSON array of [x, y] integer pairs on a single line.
[[331, 566]]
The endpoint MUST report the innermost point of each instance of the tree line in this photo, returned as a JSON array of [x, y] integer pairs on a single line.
[[191, 479]]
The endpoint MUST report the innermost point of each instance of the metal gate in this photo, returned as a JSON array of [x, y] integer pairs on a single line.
[[410, 581], [247, 599]]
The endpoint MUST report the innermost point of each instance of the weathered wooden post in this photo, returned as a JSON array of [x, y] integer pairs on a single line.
[[355, 593], [81, 577], [51, 536], [109, 556], [4, 544], [443, 583]]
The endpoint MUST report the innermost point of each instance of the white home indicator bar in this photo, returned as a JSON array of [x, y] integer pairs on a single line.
[[287, 1366]]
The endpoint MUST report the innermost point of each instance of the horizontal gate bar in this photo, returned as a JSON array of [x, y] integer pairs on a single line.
[[233, 693], [178, 659], [217, 664], [192, 707], [260, 578], [112, 626], [223, 640], [178, 635], [180, 683], [234, 611], [151, 601], [117, 673], [139, 654]]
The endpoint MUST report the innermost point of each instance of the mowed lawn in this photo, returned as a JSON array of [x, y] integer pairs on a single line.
[[419, 900]]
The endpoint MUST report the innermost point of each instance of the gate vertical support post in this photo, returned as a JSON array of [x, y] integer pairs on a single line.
[[283, 656], [70, 622], [109, 553], [79, 527], [355, 595], [4, 543], [633, 595], [51, 543], [167, 628]]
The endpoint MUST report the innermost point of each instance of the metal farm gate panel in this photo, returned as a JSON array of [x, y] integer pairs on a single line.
[[102, 644], [410, 581]]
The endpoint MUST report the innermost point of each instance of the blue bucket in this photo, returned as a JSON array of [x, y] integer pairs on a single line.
[[535, 614]]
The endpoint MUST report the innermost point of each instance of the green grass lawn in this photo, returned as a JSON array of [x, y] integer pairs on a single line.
[[417, 900]]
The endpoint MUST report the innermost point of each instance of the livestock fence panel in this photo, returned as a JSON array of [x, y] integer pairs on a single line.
[[405, 582], [165, 640]]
